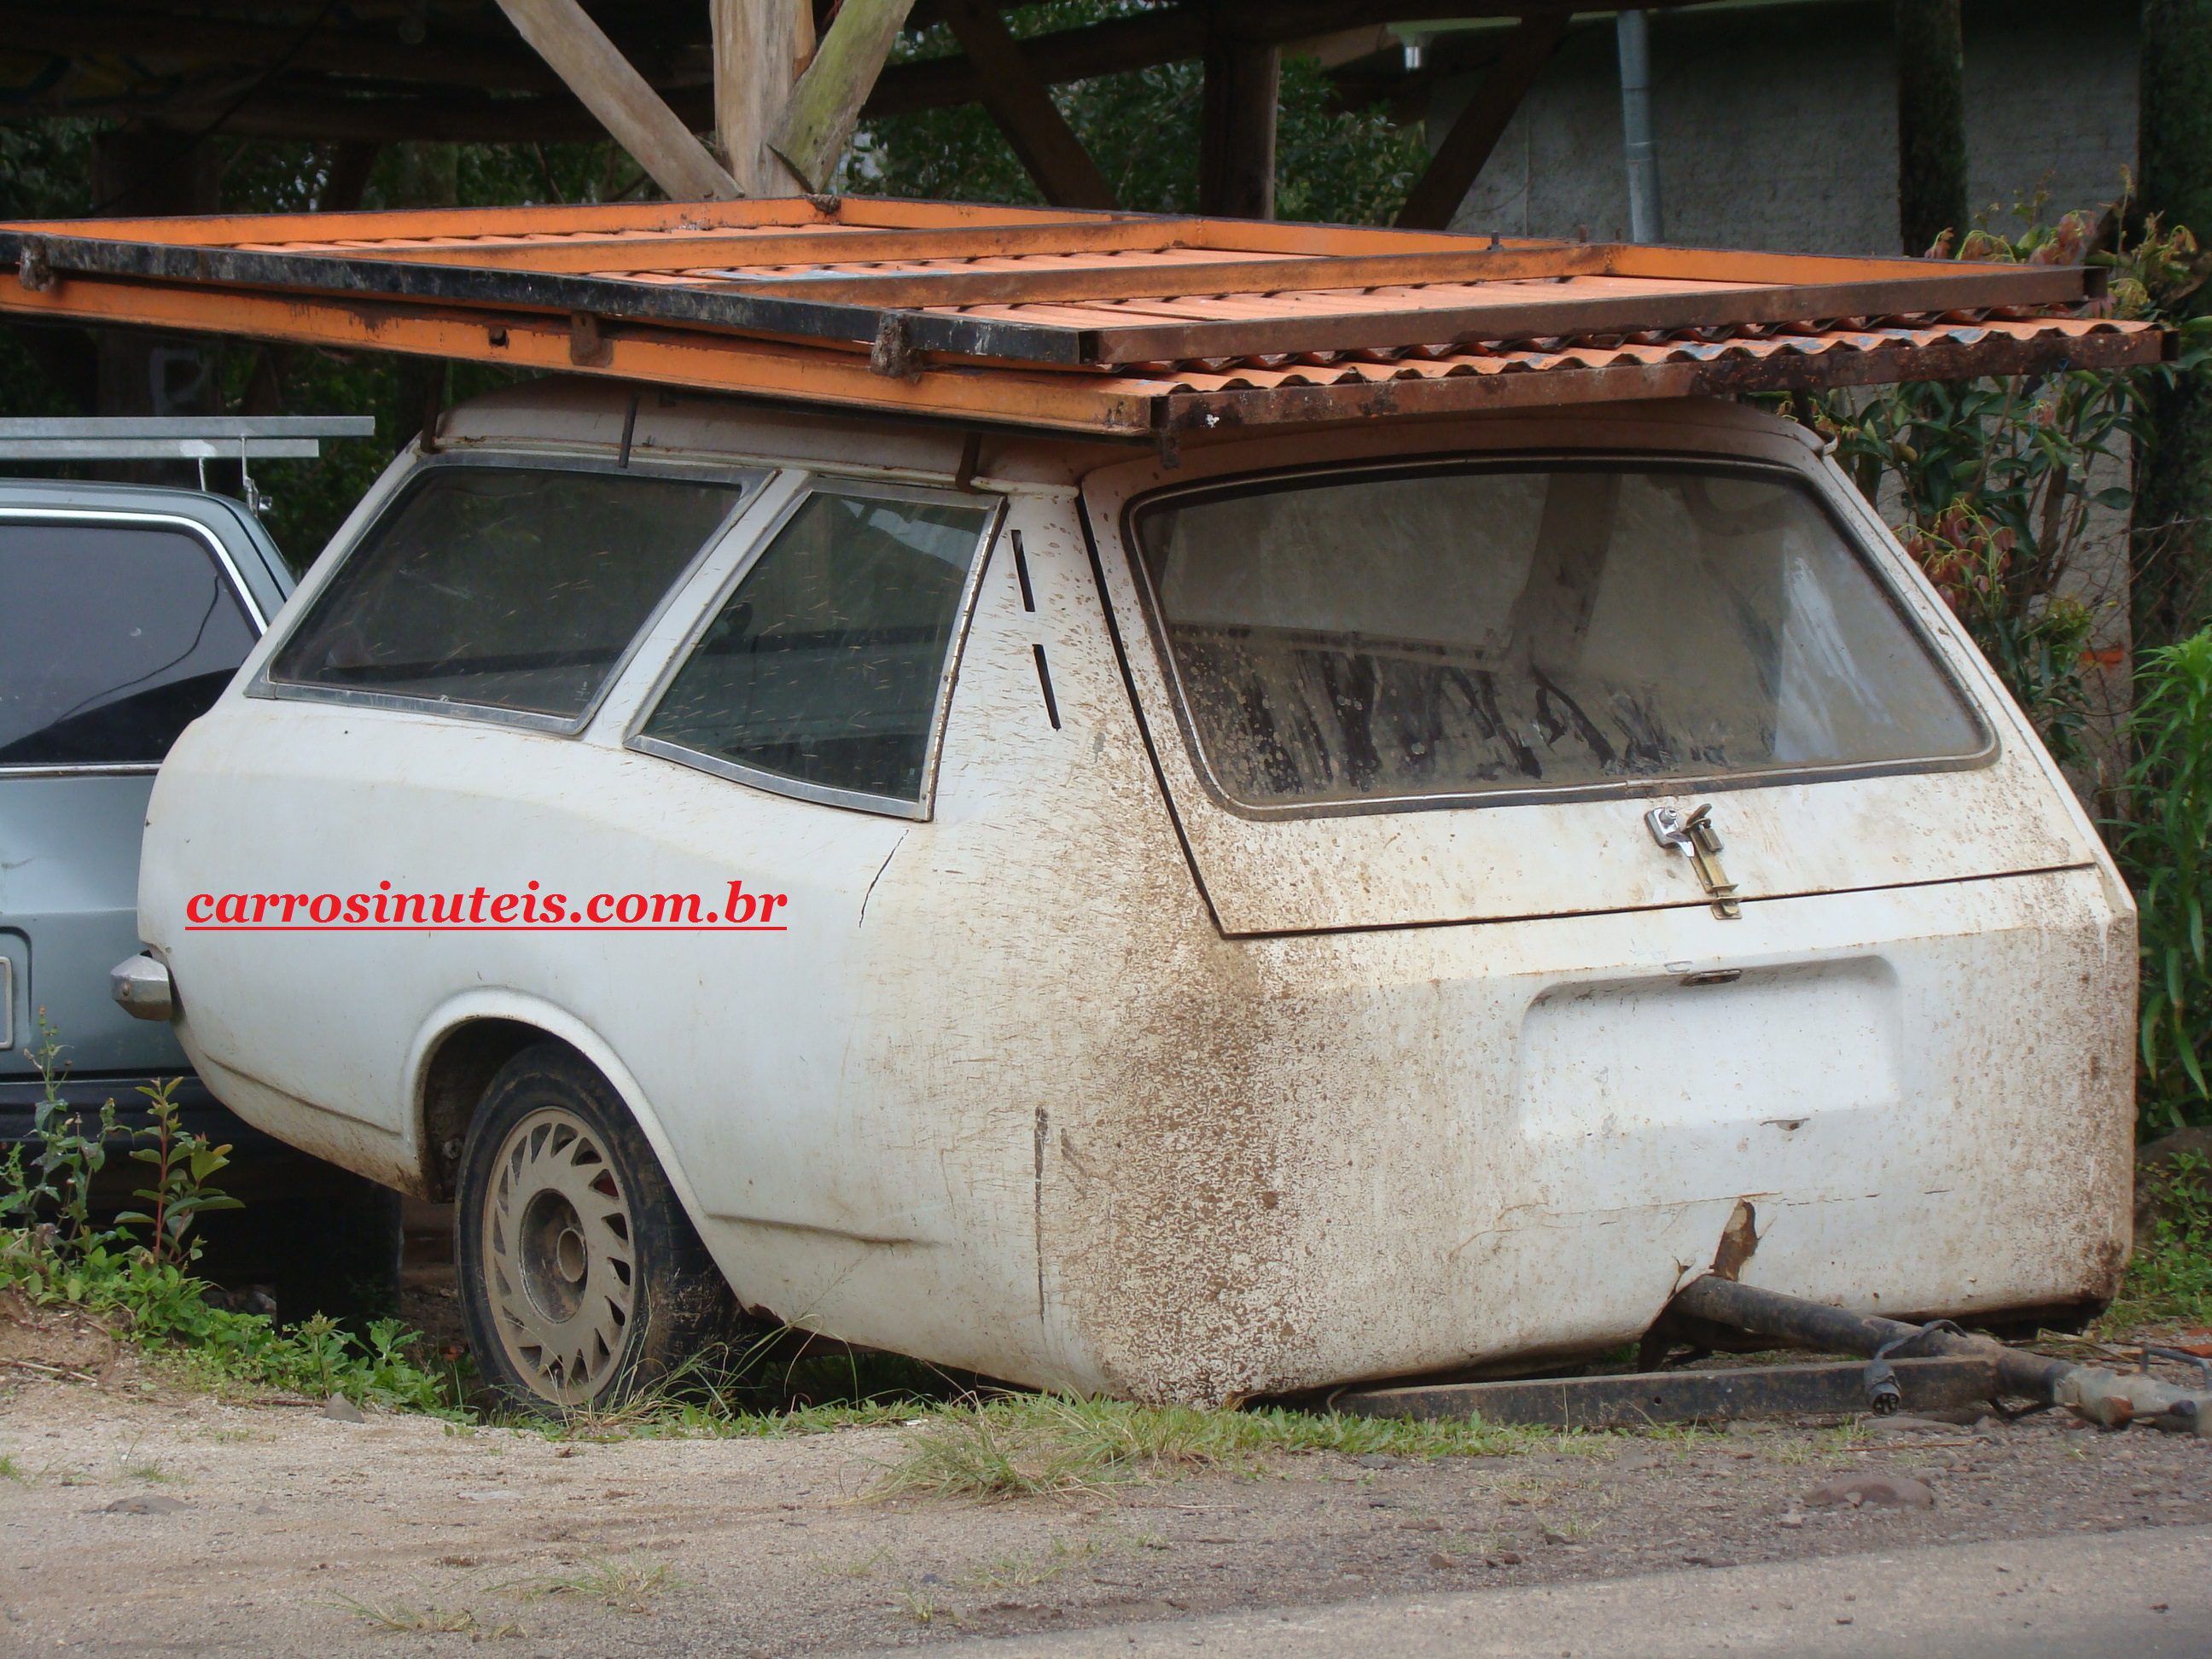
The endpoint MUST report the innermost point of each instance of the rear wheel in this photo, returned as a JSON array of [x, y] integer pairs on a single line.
[[581, 1279]]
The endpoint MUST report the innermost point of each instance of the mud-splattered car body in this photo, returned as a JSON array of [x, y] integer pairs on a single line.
[[1111, 1061]]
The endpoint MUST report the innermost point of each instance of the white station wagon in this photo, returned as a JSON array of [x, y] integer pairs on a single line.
[[1233, 875], [1224, 945]]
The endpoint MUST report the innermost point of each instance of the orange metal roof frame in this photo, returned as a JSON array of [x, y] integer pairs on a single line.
[[1100, 322]]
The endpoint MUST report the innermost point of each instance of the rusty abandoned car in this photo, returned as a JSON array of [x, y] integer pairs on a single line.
[[1338, 803]]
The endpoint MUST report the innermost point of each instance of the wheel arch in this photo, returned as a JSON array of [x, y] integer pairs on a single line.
[[461, 1048]]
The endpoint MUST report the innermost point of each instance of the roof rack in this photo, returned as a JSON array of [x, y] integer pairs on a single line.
[[199, 438], [1105, 322], [176, 437]]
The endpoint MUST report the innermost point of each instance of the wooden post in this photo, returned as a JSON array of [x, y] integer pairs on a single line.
[[1451, 173], [819, 116], [1022, 105], [1931, 123], [2171, 559], [150, 170], [562, 32], [423, 176], [760, 46], [1237, 128]]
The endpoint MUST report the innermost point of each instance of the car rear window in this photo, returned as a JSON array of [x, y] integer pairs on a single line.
[[1415, 633], [824, 665], [119, 637], [504, 588]]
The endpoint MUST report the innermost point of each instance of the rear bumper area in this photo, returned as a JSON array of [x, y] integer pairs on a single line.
[[1450, 1147]]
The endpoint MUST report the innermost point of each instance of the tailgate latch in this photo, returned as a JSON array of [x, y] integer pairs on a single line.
[[1696, 837]]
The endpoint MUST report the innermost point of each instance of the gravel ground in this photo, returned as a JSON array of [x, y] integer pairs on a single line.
[[136, 1517]]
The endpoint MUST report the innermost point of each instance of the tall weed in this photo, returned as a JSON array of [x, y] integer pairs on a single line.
[[2165, 845], [56, 1246]]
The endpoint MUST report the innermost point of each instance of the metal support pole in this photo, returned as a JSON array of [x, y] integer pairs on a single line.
[[1640, 150]]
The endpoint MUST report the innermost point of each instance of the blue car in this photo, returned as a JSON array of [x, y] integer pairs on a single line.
[[129, 609]]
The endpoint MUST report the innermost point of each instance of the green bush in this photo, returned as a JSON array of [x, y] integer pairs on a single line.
[[1990, 482], [2166, 849]]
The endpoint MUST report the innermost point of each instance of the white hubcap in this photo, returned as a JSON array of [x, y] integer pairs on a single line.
[[558, 1255]]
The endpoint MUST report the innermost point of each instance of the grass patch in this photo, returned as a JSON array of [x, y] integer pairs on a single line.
[[625, 1584], [9, 1469], [1037, 1445], [859, 1566], [2169, 1282], [919, 1605], [772, 1387], [163, 1311], [1027, 1572], [423, 1621]]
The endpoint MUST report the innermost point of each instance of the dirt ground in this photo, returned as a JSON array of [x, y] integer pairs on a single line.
[[135, 1517]]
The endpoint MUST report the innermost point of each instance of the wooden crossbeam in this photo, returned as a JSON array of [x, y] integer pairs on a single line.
[[1021, 106], [1176, 33], [1237, 128], [562, 32], [1458, 162], [823, 107]]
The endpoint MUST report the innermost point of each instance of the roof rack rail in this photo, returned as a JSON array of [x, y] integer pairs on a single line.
[[176, 437], [199, 438]]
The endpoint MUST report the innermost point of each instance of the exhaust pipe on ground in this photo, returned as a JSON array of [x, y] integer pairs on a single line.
[[2111, 1399]]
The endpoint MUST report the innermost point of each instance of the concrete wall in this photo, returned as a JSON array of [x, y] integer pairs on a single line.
[[1776, 125]]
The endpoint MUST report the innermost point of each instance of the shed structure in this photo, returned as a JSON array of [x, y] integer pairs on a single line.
[[781, 81]]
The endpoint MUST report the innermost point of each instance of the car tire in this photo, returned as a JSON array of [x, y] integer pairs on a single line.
[[582, 1282]]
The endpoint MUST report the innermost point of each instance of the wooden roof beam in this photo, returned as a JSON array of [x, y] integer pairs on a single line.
[[1021, 103], [1451, 173], [562, 32], [825, 105], [1174, 33], [1237, 128]]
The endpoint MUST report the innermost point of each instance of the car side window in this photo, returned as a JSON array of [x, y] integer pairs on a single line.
[[119, 636], [509, 587], [824, 666]]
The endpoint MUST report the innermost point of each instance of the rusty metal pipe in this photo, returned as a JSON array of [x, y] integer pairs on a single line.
[[2106, 1398]]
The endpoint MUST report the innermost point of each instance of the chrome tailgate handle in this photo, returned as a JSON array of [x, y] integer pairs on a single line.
[[1696, 837]]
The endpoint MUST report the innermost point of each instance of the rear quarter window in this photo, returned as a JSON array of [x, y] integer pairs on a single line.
[[824, 670], [119, 637]]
